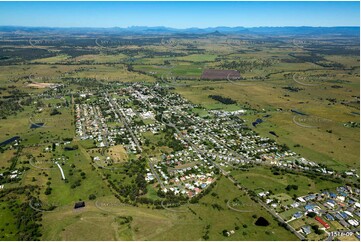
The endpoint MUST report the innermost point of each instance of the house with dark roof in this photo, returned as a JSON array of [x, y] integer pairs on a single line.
[[338, 216], [343, 194], [326, 193], [309, 207], [298, 215], [343, 223], [333, 195], [310, 197], [330, 217], [343, 215]]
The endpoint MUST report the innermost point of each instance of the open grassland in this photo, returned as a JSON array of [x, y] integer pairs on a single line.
[[36, 72], [262, 178], [117, 153], [309, 133], [15, 125], [7, 222], [275, 80], [45, 173], [52, 60], [148, 224], [102, 58], [108, 73], [5, 158], [175, 70]]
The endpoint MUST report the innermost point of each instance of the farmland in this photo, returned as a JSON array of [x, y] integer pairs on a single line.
[[160, 146]]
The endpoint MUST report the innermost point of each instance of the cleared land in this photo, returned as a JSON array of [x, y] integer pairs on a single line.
[[278, 76]]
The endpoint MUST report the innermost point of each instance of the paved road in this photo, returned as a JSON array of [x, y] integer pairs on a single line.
[[61, 170], [202, 153], [121, 115], [273, 213], [240, 157], [280, 219], [104, 128], [156, 174]]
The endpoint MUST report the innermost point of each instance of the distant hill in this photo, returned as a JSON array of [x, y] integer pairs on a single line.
[[214, 31]]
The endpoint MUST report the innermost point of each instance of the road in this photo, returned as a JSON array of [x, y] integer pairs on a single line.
[[223, 143], [305, 84], [156, 174], [61, 170], [226, 174], [121, 115], [280, 219]]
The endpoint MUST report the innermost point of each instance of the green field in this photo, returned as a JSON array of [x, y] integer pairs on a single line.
[[277, 79], [163, 224]]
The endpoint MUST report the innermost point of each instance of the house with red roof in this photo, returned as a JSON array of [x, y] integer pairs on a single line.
[[326, 225]]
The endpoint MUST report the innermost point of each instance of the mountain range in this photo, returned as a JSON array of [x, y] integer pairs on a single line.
[[222, 30]]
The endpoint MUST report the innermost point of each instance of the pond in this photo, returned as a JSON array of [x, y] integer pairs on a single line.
[[261, 221], [9, 140], [36, 125], [258, 121]]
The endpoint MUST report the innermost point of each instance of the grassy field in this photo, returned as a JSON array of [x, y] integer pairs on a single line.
[[268, 96], [7, 222], [148, 224], [262, 177], [329, 96]]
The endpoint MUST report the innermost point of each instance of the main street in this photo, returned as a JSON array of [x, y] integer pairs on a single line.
[[121, 116]]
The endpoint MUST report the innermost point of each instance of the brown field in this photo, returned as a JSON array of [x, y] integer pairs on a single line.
[[209, 74], [40, 85], [118, 153]]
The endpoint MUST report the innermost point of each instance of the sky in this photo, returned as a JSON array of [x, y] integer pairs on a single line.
[[179, 14]]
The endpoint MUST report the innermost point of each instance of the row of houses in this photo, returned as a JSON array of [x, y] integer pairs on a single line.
[[341, 206]]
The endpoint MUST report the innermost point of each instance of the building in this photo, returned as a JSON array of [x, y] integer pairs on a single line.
[[306, 229], [326, 225], [330, 217], [343, 223], [297, 215]]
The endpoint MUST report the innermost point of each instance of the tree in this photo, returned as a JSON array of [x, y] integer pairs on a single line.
[[48, 191], [205, 237], [311, 214]]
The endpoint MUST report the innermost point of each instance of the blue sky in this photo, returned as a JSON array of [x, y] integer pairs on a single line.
[[179, 14]]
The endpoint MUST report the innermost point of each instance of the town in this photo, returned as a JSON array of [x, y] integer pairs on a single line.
[[204, 147], [115, 126]]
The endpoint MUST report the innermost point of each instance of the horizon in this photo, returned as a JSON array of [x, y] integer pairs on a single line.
[[179, 15], [167, 27]]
